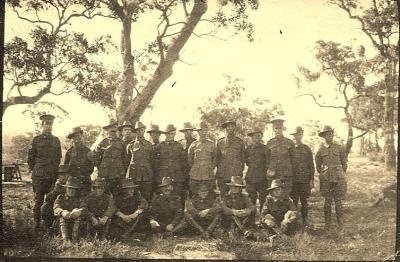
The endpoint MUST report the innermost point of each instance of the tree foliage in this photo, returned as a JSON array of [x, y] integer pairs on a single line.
[[53, 59], [226, 106]]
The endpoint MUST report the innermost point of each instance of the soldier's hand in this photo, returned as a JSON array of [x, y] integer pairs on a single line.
[[95, 222], [65, 214], [154, 223], [103, 220], [269, 223], [169, 227], [203, 213]]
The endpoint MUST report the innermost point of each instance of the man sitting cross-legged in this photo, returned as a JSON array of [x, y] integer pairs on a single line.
[[166, 209], [203, 211], [67, 211], [130, 212], [99, 208], [279, 213], [237, 209]]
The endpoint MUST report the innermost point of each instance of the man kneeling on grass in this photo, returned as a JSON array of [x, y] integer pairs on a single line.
[[130, 212], [99, 208], [166, 209], [66, 209], [203, 212], [47, 211], [279, 213], [237, 209]]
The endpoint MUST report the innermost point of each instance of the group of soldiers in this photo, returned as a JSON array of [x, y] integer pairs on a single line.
[[171, 186]]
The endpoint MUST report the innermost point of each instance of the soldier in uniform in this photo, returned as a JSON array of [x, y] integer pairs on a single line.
[[127, 136], [44, 157], [47, 211], [77, 158], [170, 157], [99, 208], [303, 173], [130, 212], [141, 165], [255, 159], [109, 157], [279, 214], [230, 157], [166, 209], [203, 212], [187, 130], [280, 157], [237, 209], [202, 157], [331, 164], [155, 133], [67, 210]]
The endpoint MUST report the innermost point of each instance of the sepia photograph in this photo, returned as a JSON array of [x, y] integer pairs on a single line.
[[200, 129]]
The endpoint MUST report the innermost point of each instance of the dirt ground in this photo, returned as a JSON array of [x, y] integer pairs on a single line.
[[369, 232]]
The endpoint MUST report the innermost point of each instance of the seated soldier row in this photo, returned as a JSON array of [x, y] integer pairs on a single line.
[[100, 214]]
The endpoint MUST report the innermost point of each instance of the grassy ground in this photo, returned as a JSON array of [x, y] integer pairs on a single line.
[[369, 233]]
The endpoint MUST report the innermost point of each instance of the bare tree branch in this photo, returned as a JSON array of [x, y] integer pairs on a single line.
[[34, 21], [319, 104]]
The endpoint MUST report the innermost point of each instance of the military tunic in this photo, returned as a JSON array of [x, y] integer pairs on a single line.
[[332, 181], [230, 161], [99, 206], [238, 201], [256, 180], [44, 156], [202, 160], [166, 209], [110, 156], [80, 166], [128, 205], [141, 165], [279, 156]]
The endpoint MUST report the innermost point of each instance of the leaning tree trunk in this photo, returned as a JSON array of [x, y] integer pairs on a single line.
[[123, 94], [388, 128], [164, 70]]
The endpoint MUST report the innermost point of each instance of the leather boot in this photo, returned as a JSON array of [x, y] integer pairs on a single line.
[[75, 230], [327, 215], [304, 215], [339, 213]]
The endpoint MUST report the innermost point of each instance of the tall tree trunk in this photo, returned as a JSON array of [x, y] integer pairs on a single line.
[[165, 69], [362, 146], [124, 91], [388, 128]]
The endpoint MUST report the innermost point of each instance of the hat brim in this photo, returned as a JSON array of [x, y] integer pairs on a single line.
[[224, 125], [292, 134], [71, 135], [321, 134], [236, 185], [272, 188], [134, 129], [155, 131], [184, 129]]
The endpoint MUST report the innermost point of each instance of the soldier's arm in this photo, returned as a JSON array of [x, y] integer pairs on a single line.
[[190, 157], [242, 154], [218, 153], [191, 209], [57, 207], [58, 155], [179, 212], [98, 154], [265, 209], [343, 158], [182, 157], [318, 161], [291, 152], [292, 207], [157, 156], [250, 207], [246, 156], [216, 208], [226, 210], [110, 208], [85, 207], [32, 154], [310, 162], [267, 156], [89, 166], [67, 158], [214, 155]]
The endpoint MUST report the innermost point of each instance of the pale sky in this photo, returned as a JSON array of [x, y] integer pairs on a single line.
[[266, 65]]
